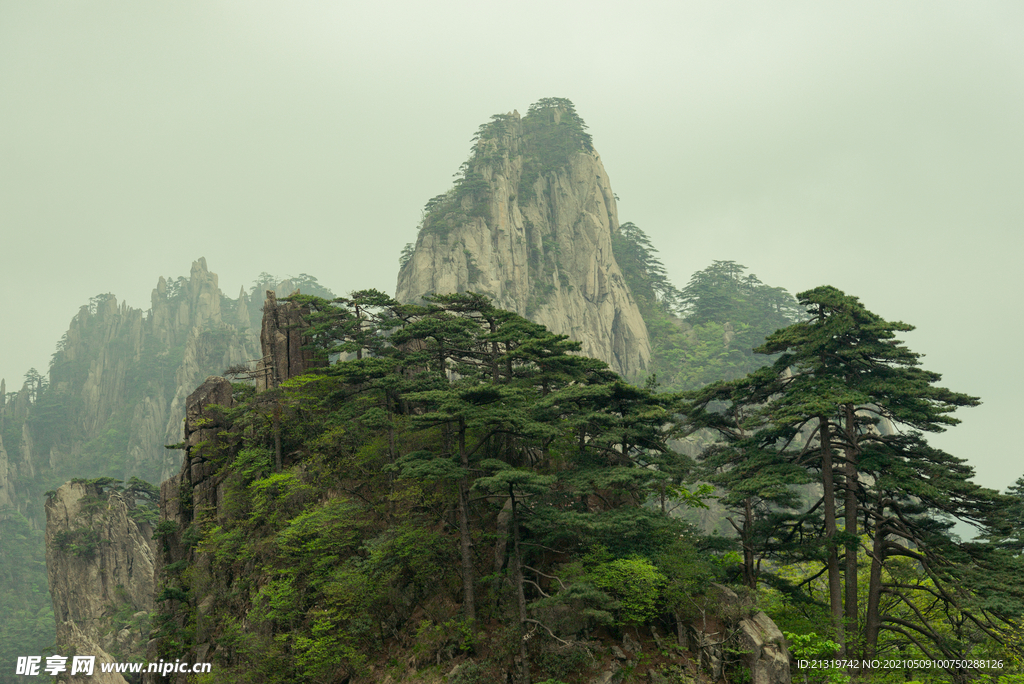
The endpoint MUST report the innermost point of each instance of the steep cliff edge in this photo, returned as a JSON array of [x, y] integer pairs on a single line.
[[114, 396], [119, 378], [530, 224], [100, 562]]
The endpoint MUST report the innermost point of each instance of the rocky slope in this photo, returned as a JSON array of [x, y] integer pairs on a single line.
[[100, 562], [117, 383], [114, 397], [530, 224]]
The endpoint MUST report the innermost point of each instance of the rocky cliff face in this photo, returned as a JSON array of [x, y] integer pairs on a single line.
[[281, 341], [100, 562], [195, 490], [124, 374], [6, 493], [115, 395], [530, 224]]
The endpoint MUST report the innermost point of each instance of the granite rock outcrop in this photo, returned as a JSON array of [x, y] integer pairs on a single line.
[[196, 489], [530, 225], [281, 341], [114, 396], [100, 560]]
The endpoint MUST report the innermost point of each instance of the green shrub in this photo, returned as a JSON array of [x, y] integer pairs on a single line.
[[635, 582], [81, 542]]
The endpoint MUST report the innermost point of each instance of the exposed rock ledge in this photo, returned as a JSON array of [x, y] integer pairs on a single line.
[[100, 564]]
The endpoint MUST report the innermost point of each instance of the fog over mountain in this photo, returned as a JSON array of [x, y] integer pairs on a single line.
[[873, 146]]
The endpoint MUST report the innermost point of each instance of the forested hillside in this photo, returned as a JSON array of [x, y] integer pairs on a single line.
[[843, 512], [461, 491], [461, 486]]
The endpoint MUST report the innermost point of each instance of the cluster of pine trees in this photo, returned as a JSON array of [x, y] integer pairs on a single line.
[[845, 407], [459, 468], [817, 414], [459, 481], [708, 330]]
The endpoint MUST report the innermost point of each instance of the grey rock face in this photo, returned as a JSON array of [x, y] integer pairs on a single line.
[[100, 564], [120, 364], [193, 320], [281, 341], [116, 396], [760, 641], [203, 428], [6, 498], [539, 244], [764, 649]]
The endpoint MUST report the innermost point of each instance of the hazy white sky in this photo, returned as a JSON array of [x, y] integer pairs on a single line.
[[874, 146]]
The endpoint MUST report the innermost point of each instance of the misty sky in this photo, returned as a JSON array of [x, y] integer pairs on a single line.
[[874, 146]]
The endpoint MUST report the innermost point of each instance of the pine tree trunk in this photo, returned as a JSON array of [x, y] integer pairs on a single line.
[[468, 593], [749, 572], [873, 619], [829, 503], [850, 474], [517, 579], [278, 460]]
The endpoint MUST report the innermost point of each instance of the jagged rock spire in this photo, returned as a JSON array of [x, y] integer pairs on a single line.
[[530, 224], [281, 341]]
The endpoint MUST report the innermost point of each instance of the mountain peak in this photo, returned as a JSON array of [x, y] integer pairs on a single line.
[[529, 224]]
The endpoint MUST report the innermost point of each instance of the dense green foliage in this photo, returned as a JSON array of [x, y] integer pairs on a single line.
[[846, 403], [459, 467], [27, 625], [707, 331], [553, 133]]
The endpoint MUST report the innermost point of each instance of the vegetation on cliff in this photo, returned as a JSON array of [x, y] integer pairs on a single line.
[[547, 138], [819, 411], [460, 484], [27, 625], [105, 408], [529, 223], [844, 406]]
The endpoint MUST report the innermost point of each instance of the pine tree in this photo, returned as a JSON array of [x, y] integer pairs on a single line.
[[848, 402], [756, 479], [841, 382]]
